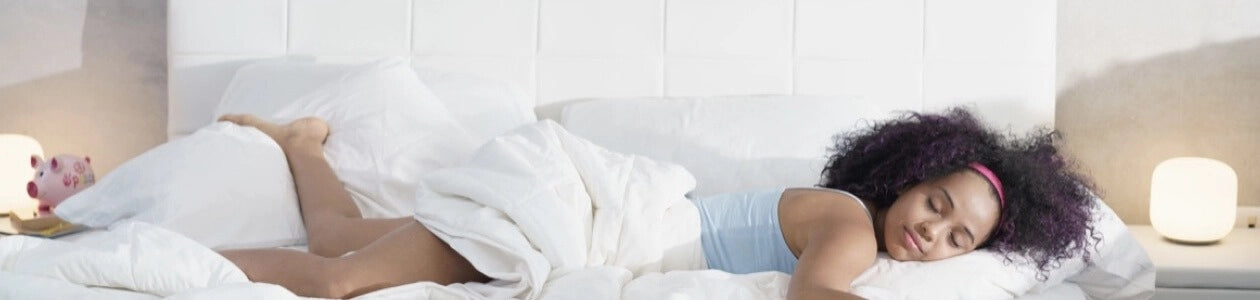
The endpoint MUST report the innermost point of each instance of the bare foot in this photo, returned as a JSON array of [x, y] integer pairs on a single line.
[[304, 132]]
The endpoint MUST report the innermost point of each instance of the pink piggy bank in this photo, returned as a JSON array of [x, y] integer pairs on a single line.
[[58, 178]]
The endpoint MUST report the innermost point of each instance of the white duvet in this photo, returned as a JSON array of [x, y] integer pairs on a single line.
[[548, 214]]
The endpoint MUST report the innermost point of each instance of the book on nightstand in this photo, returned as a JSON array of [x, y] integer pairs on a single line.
[[45, 227]]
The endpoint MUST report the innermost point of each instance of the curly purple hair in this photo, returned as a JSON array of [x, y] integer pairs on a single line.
[[1047, 215]]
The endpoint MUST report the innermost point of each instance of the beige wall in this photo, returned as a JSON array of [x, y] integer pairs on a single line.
[[1143, 81], [112, 106]]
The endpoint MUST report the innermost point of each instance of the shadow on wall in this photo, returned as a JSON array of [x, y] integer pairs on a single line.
[[113, 107], [1202, 102]]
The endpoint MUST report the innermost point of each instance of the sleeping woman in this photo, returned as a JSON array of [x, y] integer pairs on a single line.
[[920, 187]]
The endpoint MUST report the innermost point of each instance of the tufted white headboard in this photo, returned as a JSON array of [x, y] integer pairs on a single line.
[[898, 54]]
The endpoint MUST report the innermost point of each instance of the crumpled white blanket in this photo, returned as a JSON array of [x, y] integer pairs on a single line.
[[547, 214], [130, 255]]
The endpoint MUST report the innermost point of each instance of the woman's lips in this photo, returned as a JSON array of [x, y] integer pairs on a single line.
[[911, 242]]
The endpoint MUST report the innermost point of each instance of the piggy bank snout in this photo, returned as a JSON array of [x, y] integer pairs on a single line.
[[32, 189]]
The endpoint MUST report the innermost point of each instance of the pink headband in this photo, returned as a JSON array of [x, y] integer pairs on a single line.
[[988, 174]]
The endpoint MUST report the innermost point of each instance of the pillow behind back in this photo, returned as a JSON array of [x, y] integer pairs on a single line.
[[224, 186], [730, 143], [487, 107], [386, 129], [227, 186]]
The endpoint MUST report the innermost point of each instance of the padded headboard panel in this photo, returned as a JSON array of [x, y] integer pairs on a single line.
[[898, 54]]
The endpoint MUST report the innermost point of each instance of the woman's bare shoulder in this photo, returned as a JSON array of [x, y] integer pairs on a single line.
[[810, 215], [825, 204], [837, 243]]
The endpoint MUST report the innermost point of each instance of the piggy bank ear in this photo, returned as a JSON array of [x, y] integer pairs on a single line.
[[54, 164], [87, 159], [35, 161]]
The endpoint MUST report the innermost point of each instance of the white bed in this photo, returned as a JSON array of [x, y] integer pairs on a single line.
[[511, 62]]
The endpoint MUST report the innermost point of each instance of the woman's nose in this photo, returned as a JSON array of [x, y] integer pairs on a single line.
[[929, 230]]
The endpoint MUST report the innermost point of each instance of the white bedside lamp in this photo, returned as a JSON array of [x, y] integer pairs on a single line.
[[1193, 199], [15, 171]]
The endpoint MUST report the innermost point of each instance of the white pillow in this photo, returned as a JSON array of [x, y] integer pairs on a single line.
[[223, 186], [976, 275], [731, 143], [486, 107], [740, 143], [1122, 270], [386, 129]]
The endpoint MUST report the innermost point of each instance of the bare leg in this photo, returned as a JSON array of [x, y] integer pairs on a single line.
[[408, 254], [334, 225]]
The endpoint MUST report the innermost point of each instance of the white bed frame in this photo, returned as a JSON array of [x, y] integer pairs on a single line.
[[996, 55]]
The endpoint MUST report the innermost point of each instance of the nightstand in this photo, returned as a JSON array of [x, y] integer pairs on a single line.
[[1229, 269]]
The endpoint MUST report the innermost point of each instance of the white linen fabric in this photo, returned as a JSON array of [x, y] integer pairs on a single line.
[[224, 186], [541, 203], [387, 128]]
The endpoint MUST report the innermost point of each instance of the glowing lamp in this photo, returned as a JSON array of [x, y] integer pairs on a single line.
[[1193, 199], [15, 171]]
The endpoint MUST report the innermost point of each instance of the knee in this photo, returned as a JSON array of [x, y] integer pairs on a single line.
[[322, 241], [329, 281], [325, 249]]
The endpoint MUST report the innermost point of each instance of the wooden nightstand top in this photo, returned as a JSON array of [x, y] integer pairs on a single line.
[[1234, 262]]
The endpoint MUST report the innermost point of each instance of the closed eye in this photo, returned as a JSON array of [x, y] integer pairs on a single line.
[[953, 239]]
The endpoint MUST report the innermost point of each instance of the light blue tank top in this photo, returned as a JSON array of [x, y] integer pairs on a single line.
[[740, 232]]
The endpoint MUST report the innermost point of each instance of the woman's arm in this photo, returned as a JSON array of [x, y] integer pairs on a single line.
[[836, 252]]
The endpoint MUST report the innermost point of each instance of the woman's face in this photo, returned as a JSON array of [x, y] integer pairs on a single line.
[[941, 218]]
